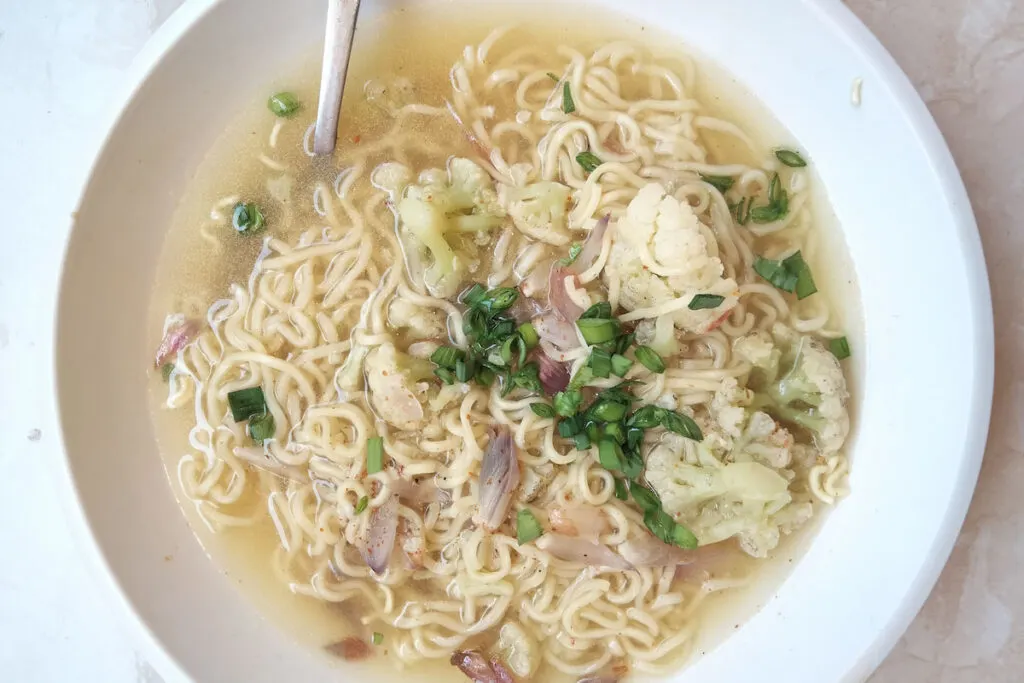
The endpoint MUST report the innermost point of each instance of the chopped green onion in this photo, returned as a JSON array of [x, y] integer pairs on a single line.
[[542, 410], [377, 638], [464, 370], [790, 158], [602, 310], [166, 370], [528, 378], [618, 393], [474, 295], [681, 424], [621, 491], [553, 77], [701, 302], [567, 403], [570, 427], [620, 365], [261, 427], [245, 403], [581, 441], [743, 210], [600, 362], [506, 350], [607, 411], [447, 356], [374, 454], [501, 298], [623, 343], [474, 323], [582, 378], [247, 219], [634, 465], [616, 431], [609, 454], [445, 375], [485, 377], [361, 505], [283, 104], [778, 203], [646, 417], [722, 183], [596, 331], [529, 334], [650, 359], [804, 282], [574, 253], [568, 106], [645, 498], [840, 348], [588, 161], [792, 274], [634, 437], [527, 527]]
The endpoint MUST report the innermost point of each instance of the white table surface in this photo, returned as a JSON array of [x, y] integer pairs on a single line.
[[61, 62]]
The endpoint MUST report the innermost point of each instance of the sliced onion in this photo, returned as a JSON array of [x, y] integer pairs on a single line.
[[648, 551], [558, 332], [585, 521], [573, 549], [554, 376], [415, 493], [475, 665], [525, 308], [177, 337], [501, 674], [612, 673], [260, 460], [380, 539], [499, 477], [592, 247], [350, 649], [558, 297]]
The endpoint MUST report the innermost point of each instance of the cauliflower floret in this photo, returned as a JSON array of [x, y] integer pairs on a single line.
[[759, 350], [463, 200], [660, 254], [538, 210], [801, 382], [391, 378], [717, 501], [750, 434], [418, 322], [729, 406]]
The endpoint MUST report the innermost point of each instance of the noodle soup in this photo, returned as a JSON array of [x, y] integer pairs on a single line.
[[523, 377]]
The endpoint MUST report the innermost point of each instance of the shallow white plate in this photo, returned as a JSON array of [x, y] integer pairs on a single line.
[[927, 361]]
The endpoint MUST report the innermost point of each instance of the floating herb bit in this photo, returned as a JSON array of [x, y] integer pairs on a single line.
[[581, 441], [574, 253], [588, 161], [374, 455], [166, 370], [722, 183], [596, 330], [646, 417], [529, 335], [607, 411], [542, 410], [791, 274], [621, 490], [361, 505], [681, 424], [620, 365], [645, 498], [568, 106], [247, 219], [840, 348], [527, 527], [790, 158], [447, 356], [609, 454], [704, 301], [650, 359], [661, 524], [245, 403], [567, 403], [553, 77], [261, 427], [283, 104], [378, 637]]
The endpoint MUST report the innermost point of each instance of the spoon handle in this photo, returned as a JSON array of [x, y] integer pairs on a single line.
[[341, 24]]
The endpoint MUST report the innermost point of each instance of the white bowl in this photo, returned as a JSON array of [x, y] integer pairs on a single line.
[[927, 363]]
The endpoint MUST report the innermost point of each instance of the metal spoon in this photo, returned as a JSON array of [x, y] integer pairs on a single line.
[[341, 24]]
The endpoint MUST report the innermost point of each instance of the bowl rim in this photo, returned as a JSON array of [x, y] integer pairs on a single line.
[[842, 20]]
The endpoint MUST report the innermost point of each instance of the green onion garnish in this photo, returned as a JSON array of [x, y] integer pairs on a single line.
[[527, 527], [567, 403], [574, 253], [283, 104], [582, 378], [684, 538], [620, 365], [529, 334], [601, 310], [623, 343], [778, 204], [245, 403], [500, 299], [596, 331], [474, 295], [609, 454], [650, 359], [374, 454], [465, 370], [701, 302], [261, 427], [447, 356], [570, 427], [621, 491], [600, 362], [722, 183], [634, 437], [445, 375], [588, 161], [377, 638], [681, 424], [634, 465], [646, 417], [553, 77], [166, 370], [485, 377], [528, 378], [661, 524], [581, 441], [616, 431], [791, 274], [361, 505], [607, 411], [790, 158], [568, 106], [645, 498], [840, 348], [542, 410], [247, 219]]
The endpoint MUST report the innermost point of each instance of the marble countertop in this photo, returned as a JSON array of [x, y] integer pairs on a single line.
[[61, 61]]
